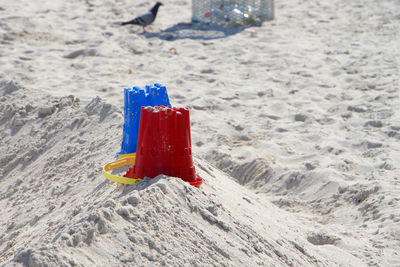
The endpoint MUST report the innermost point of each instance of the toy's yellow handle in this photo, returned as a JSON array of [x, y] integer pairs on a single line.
[[121, 156], [118, 164]]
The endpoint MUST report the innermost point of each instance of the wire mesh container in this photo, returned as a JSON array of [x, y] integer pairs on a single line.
[[232, 12]]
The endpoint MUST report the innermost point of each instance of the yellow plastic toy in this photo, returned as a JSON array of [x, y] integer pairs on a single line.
[[121, 156], [123, 160]]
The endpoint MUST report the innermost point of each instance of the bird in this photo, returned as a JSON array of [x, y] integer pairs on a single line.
[[146, 18]]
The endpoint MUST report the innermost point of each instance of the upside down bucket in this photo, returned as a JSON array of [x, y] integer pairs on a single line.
[[135, 99], [164, 145]]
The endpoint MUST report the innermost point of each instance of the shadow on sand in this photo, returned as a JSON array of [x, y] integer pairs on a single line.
[[196, 31]]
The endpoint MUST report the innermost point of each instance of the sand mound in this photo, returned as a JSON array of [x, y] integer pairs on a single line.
[[58, 210]]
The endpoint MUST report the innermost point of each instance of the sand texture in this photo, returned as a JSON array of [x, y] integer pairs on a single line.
[[295, 130]]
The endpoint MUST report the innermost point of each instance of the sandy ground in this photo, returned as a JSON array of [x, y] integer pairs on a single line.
[[295, 131]]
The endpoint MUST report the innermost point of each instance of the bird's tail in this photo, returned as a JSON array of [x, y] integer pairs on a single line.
[[134, 21]]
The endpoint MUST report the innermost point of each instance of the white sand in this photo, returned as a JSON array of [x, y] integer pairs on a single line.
[[295, 130]]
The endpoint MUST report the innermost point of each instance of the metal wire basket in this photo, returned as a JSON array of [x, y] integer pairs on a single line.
[[232, 12]]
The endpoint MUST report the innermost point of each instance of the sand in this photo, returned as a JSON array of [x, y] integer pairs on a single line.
[[295, 131]]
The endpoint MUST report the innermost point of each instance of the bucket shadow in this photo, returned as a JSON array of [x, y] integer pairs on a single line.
[[141, 185], [195, 31]]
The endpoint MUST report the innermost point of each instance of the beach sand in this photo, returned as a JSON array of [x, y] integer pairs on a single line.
[[295, 130]]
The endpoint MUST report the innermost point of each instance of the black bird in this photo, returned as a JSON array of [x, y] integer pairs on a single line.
[[146, 18]]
